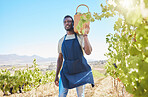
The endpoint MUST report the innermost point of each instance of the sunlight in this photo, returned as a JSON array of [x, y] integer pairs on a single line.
[[144, 11], [111, 2], [126, 3]]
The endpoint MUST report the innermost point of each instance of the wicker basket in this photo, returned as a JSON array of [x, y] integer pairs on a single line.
[[77, 19]]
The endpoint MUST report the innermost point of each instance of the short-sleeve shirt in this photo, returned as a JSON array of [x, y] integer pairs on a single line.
[[72, 36]]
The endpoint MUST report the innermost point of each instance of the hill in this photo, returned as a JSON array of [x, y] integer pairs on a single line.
[[13, 59]]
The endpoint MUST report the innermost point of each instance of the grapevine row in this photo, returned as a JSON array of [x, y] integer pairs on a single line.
[[24, 80], [128, 46]]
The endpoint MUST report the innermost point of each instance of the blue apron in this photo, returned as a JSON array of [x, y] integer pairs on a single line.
[[75, 71]]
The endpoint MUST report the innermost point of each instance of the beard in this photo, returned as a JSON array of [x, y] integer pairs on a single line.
[[70, 29]]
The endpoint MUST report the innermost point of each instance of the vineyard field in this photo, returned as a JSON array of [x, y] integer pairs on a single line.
[[103, 87]]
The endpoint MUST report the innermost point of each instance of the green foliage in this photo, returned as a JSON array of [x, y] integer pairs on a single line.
[[24, 80], [85, 18], [146, 3], [97, 74], [128, 47]]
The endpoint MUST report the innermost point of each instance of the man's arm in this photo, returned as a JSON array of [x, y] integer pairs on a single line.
[[59, 65], [87, 46]]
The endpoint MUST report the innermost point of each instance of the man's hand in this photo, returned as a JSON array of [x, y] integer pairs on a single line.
[[57, 81], [87, 46], [59, 65]]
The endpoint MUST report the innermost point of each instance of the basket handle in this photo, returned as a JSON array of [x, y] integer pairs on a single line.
[[82, 5]]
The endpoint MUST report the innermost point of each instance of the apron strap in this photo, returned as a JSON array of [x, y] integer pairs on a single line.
[[75, 35], [65, 36]]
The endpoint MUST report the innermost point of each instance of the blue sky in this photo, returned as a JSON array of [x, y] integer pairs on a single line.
[[34, 27]]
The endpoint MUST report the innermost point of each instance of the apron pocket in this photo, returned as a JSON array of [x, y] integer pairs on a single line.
[[75, 66]]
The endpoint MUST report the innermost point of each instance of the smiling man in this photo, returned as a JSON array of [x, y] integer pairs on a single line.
[[75, 72]]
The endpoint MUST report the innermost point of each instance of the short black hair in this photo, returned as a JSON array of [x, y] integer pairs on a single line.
[[68, 16]]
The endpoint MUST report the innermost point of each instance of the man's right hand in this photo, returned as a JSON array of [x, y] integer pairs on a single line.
[[56, 81], [59, 65]]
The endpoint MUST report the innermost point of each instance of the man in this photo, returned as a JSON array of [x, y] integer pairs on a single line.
[[75, 70]]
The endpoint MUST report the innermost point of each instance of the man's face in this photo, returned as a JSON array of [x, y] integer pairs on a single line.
[[68, 24]]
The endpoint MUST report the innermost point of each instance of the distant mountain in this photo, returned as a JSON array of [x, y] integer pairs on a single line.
[[13, 59]]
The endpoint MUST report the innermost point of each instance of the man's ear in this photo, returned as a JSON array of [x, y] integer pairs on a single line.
[[72, 23]]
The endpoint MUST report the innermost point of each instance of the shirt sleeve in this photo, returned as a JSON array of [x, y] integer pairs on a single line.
[[81, 40], [60, 45]]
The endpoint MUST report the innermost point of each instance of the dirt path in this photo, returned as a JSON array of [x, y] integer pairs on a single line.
[[102, 88]]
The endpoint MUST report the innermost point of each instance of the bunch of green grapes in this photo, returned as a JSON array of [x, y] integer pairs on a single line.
[[85, 18]]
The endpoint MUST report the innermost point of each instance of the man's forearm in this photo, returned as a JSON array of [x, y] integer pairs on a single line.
[[87, 46], [59, 65]]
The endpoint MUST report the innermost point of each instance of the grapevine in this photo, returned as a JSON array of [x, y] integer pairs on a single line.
[[24, 80], [128, 46], [85, 18]]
